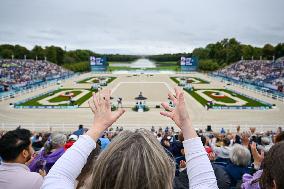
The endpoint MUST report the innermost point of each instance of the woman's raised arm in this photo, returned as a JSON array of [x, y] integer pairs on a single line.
[[67, 168], [199, 170]]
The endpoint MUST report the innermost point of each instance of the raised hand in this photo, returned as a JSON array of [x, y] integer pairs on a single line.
[[103, 116], [258, 158], [179, 114]]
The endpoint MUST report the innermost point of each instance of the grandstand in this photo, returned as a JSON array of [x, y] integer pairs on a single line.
[[17, 74], [265, 73]]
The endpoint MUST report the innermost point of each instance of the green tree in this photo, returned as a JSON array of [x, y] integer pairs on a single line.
[[38, 52], [6, 51], [279, 50], [268, 51], [201, 53], [20, 51], [208, 65], [51, 54]]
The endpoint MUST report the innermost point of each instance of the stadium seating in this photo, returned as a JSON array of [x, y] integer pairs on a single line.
[[19, 73]]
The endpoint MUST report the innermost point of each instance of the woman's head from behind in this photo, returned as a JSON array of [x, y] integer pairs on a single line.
[[56, 140], [134, 160], [273, 168], [240, 155]]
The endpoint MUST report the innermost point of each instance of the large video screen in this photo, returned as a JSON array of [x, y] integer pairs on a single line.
[[96, 61], [98, 64], [188, 63]]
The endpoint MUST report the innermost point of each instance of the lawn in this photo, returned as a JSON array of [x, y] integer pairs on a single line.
[[175, 80], [95, 80], [64, 98], [202, 81], [225, 99], [34, 101], [250, 102], [198, 79]]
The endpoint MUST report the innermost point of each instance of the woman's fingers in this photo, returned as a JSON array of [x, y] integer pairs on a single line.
[[172, 98], [177, 91], [181, 97], [99, 97], [92, 106], [167, 107], [167, 114], [118, 113], [107, 99], [95, 100]]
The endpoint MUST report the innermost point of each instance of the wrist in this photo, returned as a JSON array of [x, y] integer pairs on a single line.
[[256, 165], [94, 134], [187, 130]]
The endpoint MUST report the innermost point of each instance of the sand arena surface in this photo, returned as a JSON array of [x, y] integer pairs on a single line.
[[155, 88]]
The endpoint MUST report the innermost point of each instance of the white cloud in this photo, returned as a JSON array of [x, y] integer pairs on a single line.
[[139, 27]]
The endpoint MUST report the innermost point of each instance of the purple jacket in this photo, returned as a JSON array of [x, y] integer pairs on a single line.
[[42, 161], [251, 181]]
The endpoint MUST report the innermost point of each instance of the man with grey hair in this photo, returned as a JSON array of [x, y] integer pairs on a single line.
[[240, 159]]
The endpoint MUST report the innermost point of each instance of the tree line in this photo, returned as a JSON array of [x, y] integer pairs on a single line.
[[76, 60], [224, 52], [212, 57]]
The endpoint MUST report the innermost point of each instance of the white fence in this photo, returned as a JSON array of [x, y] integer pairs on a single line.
[[67, 127]]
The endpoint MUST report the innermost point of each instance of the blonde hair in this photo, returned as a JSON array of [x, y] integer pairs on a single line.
[[133, 160]]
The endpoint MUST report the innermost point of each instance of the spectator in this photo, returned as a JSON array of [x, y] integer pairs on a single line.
[[205, 144], [53, 150], [104, 142], [16, 150], [240, 158], [80, 131], [223, 152], [265, 144], [71, 140], [279, 137], [223, 179], [133, 159], [37, 142], [159, 137], [271, 176]]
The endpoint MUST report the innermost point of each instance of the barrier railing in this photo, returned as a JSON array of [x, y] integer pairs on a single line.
[[67, 127]]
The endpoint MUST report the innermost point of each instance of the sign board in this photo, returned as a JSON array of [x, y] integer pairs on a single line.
[[98, 64], [188, 63]]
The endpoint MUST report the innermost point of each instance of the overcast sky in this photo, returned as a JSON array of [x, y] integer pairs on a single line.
[[140, 26]]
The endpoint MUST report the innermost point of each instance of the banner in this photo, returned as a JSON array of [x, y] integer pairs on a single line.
[[98, 64], [188, 63]]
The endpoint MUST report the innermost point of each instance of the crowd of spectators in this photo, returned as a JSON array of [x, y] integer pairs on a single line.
[[259, 72], [237, 157], [18, 72]]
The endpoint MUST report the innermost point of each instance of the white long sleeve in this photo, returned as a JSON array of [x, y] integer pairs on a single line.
[[64, 172], [199, 170]]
